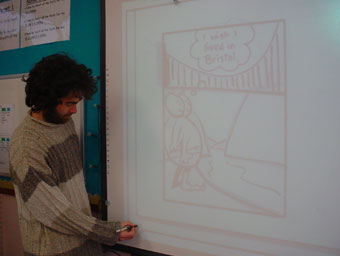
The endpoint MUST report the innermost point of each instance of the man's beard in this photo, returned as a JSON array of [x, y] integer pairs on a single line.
[[51, 116]]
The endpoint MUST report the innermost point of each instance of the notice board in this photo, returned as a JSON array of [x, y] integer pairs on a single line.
[[14, 110]]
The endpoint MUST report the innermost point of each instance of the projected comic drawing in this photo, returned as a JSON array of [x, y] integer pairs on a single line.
[[216, 88]]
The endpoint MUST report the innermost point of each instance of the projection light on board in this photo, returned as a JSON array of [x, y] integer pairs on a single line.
[[223, 148], [229, 127]]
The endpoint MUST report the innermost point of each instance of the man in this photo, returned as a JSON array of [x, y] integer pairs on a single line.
[[46, 168]]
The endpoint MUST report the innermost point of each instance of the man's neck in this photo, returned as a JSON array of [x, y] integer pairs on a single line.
[[38, 115]]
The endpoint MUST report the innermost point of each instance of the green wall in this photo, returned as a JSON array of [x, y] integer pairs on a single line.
[[84, 47]]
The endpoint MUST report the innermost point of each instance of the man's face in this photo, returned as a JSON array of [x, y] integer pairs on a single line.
[[63, 111]]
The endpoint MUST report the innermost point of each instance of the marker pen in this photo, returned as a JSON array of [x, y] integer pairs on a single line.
[[126, 228]]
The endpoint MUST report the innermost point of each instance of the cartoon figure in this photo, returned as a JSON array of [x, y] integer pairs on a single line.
[[183, 142]]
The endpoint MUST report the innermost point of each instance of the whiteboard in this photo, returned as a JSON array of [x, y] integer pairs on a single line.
[[222, 125], [13, 110]]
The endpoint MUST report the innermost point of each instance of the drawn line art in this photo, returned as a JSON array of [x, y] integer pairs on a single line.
[[263, 80], [202, 140]]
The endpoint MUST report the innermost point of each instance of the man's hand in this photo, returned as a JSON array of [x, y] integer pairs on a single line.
[[128, 234]]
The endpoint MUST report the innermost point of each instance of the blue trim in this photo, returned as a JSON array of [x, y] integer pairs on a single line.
[[5, 178]]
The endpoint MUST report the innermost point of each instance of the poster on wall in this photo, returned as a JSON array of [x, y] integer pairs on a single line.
[[7, 115], [9, 24], [44, 21], [33, 22]]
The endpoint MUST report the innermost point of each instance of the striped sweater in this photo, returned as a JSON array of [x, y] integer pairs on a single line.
[[54, 211]]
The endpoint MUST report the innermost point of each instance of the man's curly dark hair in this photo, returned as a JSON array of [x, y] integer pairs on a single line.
[[53, 78]]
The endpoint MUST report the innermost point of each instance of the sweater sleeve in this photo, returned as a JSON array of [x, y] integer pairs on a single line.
[[47, 204]]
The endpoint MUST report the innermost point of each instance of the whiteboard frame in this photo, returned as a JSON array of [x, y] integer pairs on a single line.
[[104, 184]]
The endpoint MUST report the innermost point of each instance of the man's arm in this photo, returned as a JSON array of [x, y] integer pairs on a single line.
[[47, 204]]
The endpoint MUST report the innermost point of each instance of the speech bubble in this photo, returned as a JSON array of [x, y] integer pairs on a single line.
[[222, 48]]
